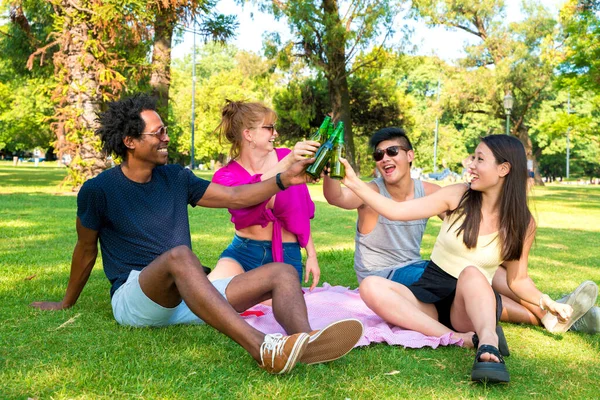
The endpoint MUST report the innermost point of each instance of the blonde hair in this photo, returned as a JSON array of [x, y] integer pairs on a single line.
[[237, 116]]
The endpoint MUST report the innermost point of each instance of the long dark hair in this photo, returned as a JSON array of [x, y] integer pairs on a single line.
[[514, 212]]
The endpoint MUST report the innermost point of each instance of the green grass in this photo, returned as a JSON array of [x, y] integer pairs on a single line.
[[82, 353]]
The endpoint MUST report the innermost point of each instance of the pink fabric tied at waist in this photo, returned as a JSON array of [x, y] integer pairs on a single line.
[[277, 240], [292, 210]]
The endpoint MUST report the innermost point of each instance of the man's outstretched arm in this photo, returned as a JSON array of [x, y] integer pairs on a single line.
[[235, 197], [82, 262], [339, 196]]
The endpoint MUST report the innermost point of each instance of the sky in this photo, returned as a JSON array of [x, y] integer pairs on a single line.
[[446, 44]]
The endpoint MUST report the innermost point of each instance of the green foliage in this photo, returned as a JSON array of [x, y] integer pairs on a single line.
[[222, 72], [581, 21], [521, 58], [25, 114]]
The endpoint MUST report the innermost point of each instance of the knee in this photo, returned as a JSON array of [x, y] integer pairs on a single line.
[[282, 271], [499, 279], [470, 273], [370, 288], [471, 277], [181, 257]]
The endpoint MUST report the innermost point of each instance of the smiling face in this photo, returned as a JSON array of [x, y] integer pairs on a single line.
[[262, 136], [394, 168], [485, 171], [266, 134], [150, 148]]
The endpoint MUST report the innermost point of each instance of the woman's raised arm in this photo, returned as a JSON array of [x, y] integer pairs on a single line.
[[445, 199]]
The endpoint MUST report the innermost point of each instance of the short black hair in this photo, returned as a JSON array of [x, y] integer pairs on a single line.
[[123, 118], [389, 134]]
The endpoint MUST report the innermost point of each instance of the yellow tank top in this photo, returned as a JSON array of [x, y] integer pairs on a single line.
[[451, 254]]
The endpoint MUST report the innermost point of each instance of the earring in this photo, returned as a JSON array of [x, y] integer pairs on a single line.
[[252, 142]]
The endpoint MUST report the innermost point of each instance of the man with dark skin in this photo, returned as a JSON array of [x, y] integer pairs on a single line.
[[138, 213]]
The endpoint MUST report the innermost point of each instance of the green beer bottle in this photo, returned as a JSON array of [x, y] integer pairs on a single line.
[[328, 133], [321, 134], [322, 131], [323, 154], [337, 170]]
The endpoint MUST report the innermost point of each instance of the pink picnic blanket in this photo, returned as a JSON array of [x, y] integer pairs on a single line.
[[328, 304]]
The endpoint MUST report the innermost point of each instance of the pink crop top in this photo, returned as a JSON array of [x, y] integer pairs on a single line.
[[293, 208]]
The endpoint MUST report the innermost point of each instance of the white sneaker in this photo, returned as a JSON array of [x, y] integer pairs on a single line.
[[582, 299]]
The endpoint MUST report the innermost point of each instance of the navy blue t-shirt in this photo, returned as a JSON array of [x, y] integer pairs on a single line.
[[137, 222]]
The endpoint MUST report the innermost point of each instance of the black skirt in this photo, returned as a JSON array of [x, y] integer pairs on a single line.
[[437, 287]]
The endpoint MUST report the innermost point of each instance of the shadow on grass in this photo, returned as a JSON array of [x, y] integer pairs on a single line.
[[584, 198], [23, 177]]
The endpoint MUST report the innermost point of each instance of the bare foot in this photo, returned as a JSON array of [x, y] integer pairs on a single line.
[[488, 357], [466, 337]]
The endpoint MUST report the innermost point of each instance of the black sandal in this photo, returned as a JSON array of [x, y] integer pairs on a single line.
[[502, 343], [489, 371]]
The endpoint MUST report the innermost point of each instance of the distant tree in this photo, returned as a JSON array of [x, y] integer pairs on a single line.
[[328, 37], [520, 58], [168, 14], [25, 106], [222, 72], [549, 130], [581, 22]]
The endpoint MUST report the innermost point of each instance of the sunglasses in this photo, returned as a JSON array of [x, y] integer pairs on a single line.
[[391, 151], [270, 128], [161, 133]]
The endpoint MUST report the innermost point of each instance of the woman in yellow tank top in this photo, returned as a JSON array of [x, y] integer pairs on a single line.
[[488, 224]]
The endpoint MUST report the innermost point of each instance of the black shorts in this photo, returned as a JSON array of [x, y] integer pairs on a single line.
[[437, 287]]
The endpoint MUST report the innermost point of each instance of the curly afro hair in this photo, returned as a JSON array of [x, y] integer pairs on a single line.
[[123, 118]]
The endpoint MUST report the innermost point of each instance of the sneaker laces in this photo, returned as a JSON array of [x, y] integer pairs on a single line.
[[274, 343]]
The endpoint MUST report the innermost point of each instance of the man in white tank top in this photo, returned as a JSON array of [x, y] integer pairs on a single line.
[[391, 249]]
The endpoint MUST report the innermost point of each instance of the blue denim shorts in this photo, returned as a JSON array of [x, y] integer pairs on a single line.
[[251, 254], [408, 274]]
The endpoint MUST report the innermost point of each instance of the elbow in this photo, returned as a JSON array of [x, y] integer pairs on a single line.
[[512, 283], [237, 200], [333, 200]]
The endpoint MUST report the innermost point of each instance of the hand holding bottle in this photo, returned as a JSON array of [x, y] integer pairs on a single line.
[[350, 180], [304, 149]]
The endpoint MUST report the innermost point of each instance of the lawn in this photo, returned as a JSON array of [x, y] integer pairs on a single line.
[[82, 353]]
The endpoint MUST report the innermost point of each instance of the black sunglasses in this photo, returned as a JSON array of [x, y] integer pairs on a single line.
[[391, 151], [270, 128]]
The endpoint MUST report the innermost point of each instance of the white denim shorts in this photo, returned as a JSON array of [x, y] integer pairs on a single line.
[[131, 306]]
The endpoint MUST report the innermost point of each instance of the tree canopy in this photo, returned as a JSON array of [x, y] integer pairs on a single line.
[[64, 59]]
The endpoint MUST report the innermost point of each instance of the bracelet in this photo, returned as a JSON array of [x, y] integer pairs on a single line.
[[278, 181], [541, 305]]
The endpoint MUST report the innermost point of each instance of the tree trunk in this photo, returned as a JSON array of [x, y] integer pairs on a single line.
[[340, 102], [161, 59], [337, 78], [523, 135], [80, 103]]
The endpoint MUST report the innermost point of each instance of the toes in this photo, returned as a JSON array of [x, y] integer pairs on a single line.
[[488, 357]]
